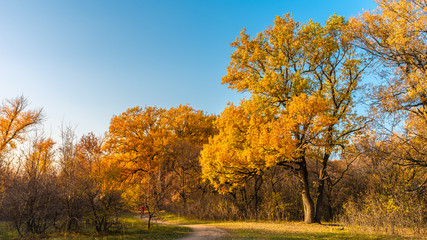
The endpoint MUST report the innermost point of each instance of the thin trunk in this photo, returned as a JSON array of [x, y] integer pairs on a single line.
[[183, 192], [149, 220]]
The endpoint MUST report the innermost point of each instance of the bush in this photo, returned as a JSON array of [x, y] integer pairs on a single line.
[[397, 214]]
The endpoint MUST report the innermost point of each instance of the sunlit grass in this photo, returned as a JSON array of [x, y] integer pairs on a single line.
[[284, 230], [182, 220], [295, 230]]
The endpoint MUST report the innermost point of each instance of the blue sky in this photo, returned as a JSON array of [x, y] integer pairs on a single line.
[[83, 61]]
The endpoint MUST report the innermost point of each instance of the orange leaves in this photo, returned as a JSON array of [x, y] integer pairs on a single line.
[[141, 140], [15, 121], [90, 158], [134, 138], [188, 124], [41, 155], [155, 151]]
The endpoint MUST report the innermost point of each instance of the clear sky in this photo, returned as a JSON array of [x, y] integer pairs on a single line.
[[84, 61]]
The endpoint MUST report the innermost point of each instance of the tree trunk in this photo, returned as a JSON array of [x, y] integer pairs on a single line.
[[319, 202], [257, 201], [149, 220], [321, 187], [183, 193], [309, 211]]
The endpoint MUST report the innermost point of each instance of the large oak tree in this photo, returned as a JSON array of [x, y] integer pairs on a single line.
[[302, 80]]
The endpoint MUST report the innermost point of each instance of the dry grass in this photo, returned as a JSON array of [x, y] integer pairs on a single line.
[[297, 230], [292, 230]]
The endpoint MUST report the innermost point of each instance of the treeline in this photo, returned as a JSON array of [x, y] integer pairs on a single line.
[[297, 149], [48, 186]]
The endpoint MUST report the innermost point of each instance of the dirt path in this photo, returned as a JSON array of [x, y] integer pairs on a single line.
[[200, 231]]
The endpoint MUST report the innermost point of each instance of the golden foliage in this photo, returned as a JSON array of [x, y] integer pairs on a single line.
[[41, 156], [302, 79], [395, 33], [15, 121], [151, 147]]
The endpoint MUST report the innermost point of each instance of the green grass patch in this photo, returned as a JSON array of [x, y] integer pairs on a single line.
[[171, 218], [128, 228], [7, 231]]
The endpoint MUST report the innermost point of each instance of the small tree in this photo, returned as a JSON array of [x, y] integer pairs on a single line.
[[70, 177], [100, 190], [31, 201]]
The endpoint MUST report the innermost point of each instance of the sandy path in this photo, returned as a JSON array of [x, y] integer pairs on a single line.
[[200, 231]]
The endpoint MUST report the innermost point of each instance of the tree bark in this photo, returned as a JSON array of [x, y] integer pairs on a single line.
[[309, 210], [321, 187]]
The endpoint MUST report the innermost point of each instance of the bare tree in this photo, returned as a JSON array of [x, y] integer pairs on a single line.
[[31, 201]]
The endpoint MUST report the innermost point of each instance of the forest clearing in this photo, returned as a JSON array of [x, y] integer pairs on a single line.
[[329, 142]]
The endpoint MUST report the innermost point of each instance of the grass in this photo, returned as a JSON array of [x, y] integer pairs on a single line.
[[7, 231], [285, 230], [129, 228], [182, 220], [295, 231], [132, 228]]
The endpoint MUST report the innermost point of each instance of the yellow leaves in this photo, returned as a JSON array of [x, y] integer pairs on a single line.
[[282, 33], [395, 33], [231, 154], [301, 79], [302, 123], [256, 59], [255, 136], [398, 25]]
